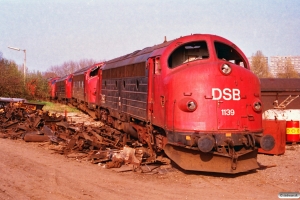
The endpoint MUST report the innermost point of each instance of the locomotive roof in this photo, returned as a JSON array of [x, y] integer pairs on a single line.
[[280, 84], [137, 56], [63, 78], [53, 78], [82, 70]]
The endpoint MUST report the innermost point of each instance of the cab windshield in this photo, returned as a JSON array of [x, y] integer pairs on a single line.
[[187, 53], [228, 53]]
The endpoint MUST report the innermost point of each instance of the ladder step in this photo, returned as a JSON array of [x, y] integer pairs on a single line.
[[287, 101]]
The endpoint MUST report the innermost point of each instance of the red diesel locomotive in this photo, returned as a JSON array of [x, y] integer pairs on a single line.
[[52, 87], [64, 88], [194, 98], [85, 82]]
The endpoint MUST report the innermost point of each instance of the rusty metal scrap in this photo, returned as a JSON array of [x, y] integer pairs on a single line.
[[18, 119], [34, 137], [97, 144]]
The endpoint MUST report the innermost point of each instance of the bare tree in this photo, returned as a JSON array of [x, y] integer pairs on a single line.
[[48, 75], [287, 69], [259, 65], [70, 67], [85, 62]]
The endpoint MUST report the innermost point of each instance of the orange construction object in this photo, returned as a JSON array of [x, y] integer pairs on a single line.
[[277, 129]]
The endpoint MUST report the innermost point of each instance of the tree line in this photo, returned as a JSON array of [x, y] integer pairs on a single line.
[[35, 84], [14, 84]]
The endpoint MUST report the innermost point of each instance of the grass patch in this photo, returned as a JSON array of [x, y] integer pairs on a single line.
[[57, 107]]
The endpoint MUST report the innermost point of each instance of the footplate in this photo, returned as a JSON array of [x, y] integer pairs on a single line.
[[211, 162]]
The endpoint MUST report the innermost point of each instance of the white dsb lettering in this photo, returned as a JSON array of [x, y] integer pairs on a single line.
[[227, 94], [236, 94]]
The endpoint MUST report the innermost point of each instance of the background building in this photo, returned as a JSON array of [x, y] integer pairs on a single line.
[[277, 63]]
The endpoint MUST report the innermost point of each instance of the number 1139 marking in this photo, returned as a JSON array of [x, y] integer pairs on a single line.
[[227, 112]]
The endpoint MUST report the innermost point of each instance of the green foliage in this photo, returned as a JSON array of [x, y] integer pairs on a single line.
[[36, 86], [11, 80]]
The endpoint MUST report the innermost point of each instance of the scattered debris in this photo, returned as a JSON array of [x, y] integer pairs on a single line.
[[99, 144]]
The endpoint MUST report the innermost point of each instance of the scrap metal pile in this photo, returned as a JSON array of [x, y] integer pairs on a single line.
[[103, 144]]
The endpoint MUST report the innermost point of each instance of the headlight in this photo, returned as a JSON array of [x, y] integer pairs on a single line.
[[226, 69], [257, 106], [191, 105], [187, 104]]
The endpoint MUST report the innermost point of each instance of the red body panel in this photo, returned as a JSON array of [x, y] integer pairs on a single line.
[[91, 89], [91, 83], [68, 83], [98, 88], [196, 80]]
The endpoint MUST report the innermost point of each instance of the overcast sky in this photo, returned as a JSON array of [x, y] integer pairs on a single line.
[[55, 31]]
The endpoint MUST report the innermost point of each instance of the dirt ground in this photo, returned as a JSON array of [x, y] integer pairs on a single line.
[[33, 171]]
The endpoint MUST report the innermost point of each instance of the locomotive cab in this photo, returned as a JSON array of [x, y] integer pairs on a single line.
[[213, 107]]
